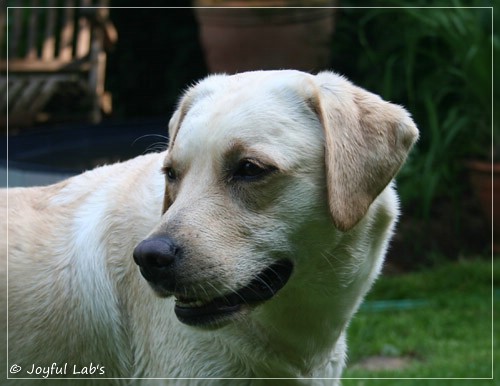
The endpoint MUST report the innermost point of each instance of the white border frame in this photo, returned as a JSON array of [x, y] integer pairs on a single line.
[[305, 379]]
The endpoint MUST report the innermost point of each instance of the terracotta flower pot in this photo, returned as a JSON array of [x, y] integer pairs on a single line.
[[238, 39], [485, 180]]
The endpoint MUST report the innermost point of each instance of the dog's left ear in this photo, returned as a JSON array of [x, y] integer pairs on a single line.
[[191, 96], [367, 141]]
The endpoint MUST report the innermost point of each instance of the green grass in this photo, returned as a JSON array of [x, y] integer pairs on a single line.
[[446, 332]]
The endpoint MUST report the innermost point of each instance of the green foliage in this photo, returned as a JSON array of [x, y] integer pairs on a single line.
[[437, 62]]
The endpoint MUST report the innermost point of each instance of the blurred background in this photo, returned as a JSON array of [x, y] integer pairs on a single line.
[[88, 86]]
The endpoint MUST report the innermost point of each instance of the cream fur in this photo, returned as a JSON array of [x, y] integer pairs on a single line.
[[76, 295]]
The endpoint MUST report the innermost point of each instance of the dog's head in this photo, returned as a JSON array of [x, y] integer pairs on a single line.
[[262, 169]]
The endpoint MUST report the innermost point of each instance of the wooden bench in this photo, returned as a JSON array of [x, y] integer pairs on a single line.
[[54, 53]]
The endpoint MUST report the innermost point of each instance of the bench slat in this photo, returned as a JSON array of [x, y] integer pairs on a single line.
[[31, 51], [83, 40], [47, 90], [66, 42], [49, 42], [15, 88], [23, 103], [19, 65]]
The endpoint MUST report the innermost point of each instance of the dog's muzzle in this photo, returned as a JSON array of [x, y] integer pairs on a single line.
[[156, 258]]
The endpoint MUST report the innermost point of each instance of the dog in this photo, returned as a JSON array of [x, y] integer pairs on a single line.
[[242, 251]]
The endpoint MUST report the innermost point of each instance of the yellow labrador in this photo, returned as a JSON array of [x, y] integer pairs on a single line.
[[276, 216]]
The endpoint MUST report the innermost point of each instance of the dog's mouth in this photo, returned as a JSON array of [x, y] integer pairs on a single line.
[[214, 312]]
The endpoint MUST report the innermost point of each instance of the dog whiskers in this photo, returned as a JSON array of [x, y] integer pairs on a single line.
[[154, 147]]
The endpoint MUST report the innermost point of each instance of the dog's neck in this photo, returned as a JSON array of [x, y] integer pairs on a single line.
[[308, 341], [304, 329], [304, 325]]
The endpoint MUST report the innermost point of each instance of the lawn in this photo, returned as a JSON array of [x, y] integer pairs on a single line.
[[435, 323]]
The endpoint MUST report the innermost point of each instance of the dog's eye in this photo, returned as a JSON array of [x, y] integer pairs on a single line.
[[170, 173], [249, 171]]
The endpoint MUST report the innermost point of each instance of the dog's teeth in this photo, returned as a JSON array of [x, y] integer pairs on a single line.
[[190, 303]]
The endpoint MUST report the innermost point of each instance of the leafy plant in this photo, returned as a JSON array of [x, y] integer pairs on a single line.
[[437, 62]]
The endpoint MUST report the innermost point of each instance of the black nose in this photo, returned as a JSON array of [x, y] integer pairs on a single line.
[[156, 256]]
